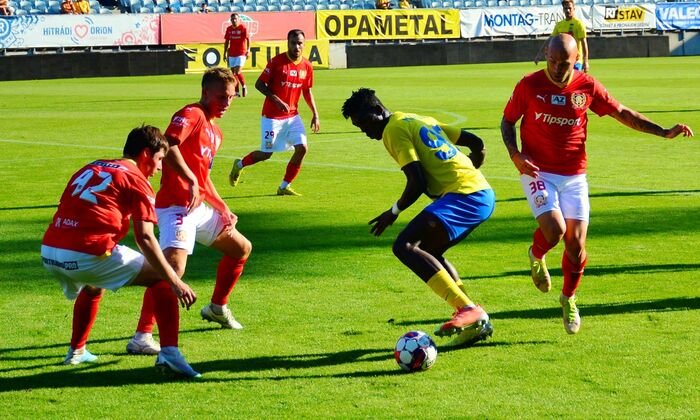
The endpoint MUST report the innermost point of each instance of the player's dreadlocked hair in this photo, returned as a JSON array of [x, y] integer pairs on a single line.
[[361, 102]]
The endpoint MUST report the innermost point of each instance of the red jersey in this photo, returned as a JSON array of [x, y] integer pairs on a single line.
[[554, 126], [286, 79], [236, 40], [198, 139], [95, 208]]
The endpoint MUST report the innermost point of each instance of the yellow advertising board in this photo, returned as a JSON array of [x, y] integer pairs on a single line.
[[403, 24], [203, 56]]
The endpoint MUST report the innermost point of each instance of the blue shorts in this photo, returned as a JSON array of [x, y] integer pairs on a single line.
[[578, 66], [462, 213]]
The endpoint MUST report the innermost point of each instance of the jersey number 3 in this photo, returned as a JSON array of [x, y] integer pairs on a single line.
[[432, 137], [88, 194]]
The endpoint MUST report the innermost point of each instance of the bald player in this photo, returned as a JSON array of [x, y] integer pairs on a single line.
[[552, 159]]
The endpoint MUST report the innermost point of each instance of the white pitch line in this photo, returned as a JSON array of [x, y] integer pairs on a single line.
[[321, 164]]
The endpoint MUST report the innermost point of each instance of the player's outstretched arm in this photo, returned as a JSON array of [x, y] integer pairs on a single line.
[[416, 185], [148, 244], [639, 122]]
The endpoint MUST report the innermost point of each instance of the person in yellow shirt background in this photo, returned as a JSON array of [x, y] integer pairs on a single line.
[[82, 7], [574, 27]]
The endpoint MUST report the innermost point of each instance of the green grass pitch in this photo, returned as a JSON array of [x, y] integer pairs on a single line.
[[323, 301]]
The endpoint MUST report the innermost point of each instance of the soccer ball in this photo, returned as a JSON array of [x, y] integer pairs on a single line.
[[415, 351]]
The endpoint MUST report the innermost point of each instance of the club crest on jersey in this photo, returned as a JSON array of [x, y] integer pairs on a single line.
[[558, 100], [302, 74], [578, 100]]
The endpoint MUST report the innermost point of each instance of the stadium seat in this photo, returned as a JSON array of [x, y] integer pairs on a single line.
[[285, 8], [333, 6]]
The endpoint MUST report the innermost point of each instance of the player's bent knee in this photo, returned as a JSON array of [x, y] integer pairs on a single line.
[[403, 250]]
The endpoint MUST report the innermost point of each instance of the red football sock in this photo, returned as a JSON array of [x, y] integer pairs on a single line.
[[291, 173], [241, 79], [167, 313], [572, 275], [227, 275], [540, 246], [147, 318], [248, 160], [84, 314]]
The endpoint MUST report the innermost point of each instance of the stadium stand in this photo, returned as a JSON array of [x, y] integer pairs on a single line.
[[24, 7]]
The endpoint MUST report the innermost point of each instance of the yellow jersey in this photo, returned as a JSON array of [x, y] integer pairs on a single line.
[[414, 138], [575, 28]]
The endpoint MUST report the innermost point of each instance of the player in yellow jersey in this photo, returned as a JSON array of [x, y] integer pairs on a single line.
[[425, 150], [574, 27]]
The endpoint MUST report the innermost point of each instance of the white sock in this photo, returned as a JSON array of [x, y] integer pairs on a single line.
[[284, 184], [217, 309], [142, 336], [239, 164]]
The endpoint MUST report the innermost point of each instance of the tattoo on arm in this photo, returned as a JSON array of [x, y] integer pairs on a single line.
[[509, 137]]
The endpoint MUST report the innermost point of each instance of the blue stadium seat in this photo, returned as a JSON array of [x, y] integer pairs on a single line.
[[285, 8]]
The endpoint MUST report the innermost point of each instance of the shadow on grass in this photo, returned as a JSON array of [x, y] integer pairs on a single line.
[[661, 305], [596, 271], [94, 375]]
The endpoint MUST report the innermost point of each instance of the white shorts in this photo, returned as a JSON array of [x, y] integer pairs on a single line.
[[180, 230], [281, 135], [77, 269], [238, 61], [565, 193]]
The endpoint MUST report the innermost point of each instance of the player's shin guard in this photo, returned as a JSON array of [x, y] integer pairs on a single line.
[[444, 286], [84, 314], [147, 318], [227, 274], [248, 160], [540, 246], [291, 172], [167, 313], [572, 275]]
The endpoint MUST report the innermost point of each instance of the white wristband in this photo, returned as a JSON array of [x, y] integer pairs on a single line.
[[395, 209]]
